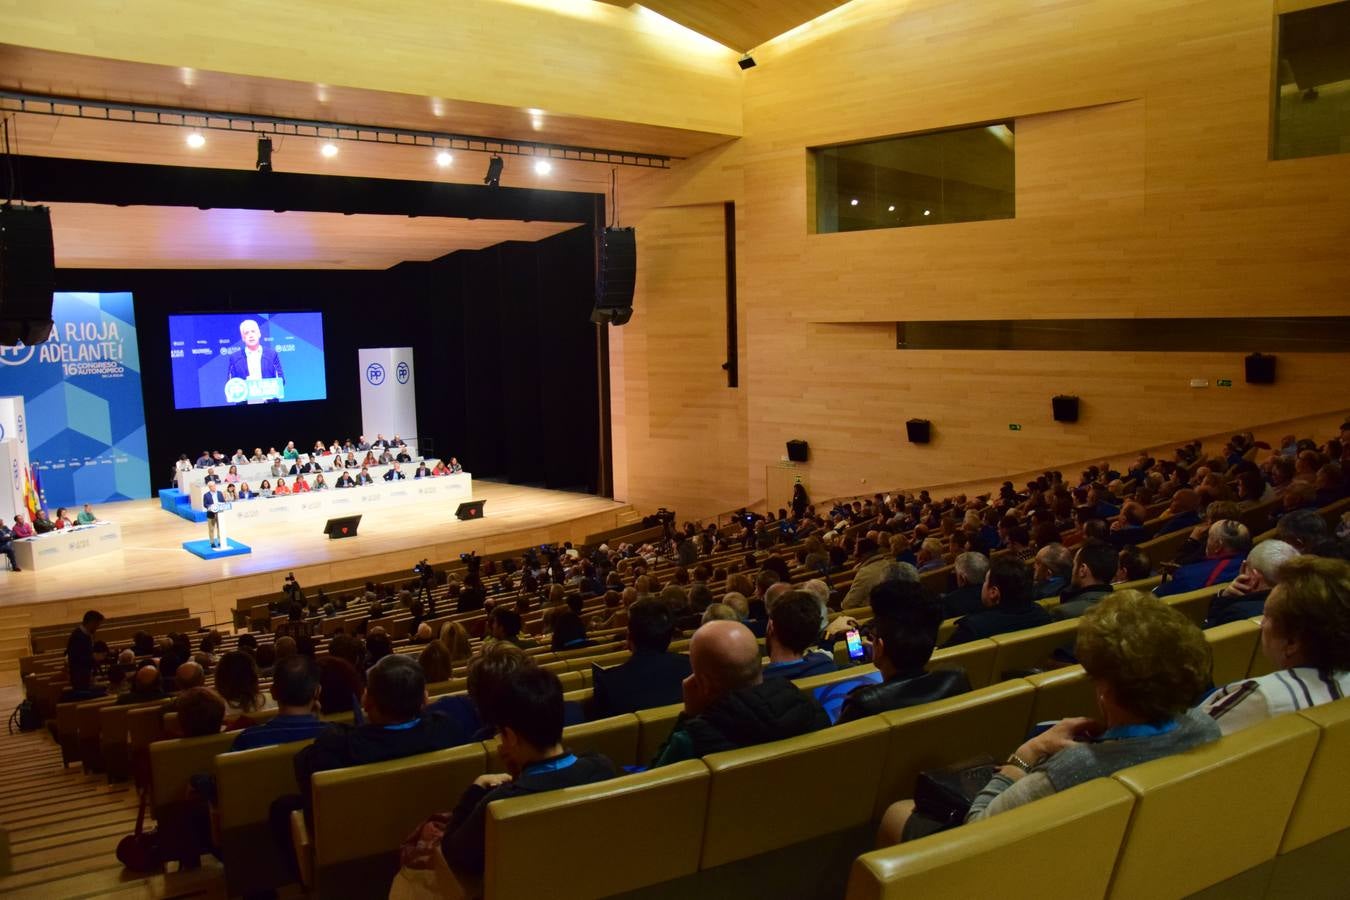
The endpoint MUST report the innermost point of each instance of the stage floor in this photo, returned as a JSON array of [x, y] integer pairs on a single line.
[[153, 561]]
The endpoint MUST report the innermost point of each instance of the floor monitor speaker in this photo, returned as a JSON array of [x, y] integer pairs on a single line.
[[920, 431], [470, 510]]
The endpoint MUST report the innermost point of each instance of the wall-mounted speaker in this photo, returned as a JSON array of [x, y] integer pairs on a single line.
[[27, 274], [615, 277], [798, 451], [1260, 369], [919, 431], [1065, 408]]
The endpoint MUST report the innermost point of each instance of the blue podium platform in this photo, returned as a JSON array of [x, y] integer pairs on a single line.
[[180, 504], [206, 551]]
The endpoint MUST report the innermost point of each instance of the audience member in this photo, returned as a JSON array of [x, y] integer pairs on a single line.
[[1305, 634], [1148, 663], [1227, 548], [1051, 570], [794, 628], [651, 676], [1008, 604], [340, 686], [728, 704], [435, 662], [969, 569], [295, 688], [201, 711], [146, 685], [527, 713], [903, 640], [1094, 565], [236, 681]]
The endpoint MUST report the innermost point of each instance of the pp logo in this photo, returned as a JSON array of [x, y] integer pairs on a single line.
[[375, 374], [236, 390], [18, 477], [15, 356], [403, 373]]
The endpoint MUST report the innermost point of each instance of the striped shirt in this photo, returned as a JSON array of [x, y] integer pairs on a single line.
[[1245, 703]]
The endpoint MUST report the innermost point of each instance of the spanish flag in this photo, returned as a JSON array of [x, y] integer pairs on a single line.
[[30, 494]]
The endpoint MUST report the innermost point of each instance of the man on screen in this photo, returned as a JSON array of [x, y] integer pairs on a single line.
[[255, 361]]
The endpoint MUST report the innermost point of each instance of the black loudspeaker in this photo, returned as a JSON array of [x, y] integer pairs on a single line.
[[1066, 408], [471, 510], [919, 431], [27, 274], [342, 527], [616, 276], [1260, 369], [798, 451]]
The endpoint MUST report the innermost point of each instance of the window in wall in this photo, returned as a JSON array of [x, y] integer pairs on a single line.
[[957, 175], [1312, 82]]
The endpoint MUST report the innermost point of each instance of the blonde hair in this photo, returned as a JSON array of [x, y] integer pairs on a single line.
[[455, 638], [1156, 660]]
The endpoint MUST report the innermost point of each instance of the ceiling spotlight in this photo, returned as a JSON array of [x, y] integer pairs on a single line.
[[746, 62], [494, 172], [264, 154], [195, 140], [444, 158], [329, 150], [890, 209], [927, 212], [853, 202], [542, 167]]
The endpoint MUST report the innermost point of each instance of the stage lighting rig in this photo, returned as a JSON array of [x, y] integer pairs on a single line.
[[264, 154]]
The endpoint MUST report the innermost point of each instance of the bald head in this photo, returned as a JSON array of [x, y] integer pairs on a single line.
[[145, 680], [189, 675], [775, 593], [724, 657]]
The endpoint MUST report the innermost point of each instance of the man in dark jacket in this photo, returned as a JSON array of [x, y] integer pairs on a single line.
[[970, 569], [728, 704], [396, 726], [80, 646], [794, 627], [527, 711], [651, 676], [1094, 565], [1008, 604], [902, 643]]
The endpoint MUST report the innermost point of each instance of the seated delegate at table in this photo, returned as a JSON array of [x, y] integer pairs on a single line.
[[183, 465], [232, 476], [62, 520], [7, 546], [281, 488], [265, 489], [204, 461], [21, 528], [290, 452], [86, 516], [319, 483], [345, 480], [239, 458], [394, 474], [441, 469], [299, 485], [245, 492], [364, 477], [42, 524], [422, 471], [455, 467]]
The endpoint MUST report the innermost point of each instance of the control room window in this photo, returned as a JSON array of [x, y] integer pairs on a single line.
[[1312, 82]]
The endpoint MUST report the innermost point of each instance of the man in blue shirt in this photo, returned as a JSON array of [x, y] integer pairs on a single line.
[[295, 685]]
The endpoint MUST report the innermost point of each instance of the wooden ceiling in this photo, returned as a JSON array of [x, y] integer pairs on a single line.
[[72, 75], [90, 235], [739, 24]]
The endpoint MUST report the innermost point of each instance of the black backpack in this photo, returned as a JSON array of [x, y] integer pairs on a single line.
[[26, 717]]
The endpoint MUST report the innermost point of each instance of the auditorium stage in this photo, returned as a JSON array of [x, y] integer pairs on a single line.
[[154, 572]]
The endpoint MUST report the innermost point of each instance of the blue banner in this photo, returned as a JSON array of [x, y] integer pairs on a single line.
[[82, 396]]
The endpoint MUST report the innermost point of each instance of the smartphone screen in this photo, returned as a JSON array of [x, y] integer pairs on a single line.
[[856, 650]]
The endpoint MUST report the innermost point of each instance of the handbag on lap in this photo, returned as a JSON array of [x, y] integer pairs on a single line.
[[945, 795]]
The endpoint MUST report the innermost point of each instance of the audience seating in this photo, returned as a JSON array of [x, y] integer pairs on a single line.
[[1313, 852], [1213, 815], [1061, 847], [648, 829], [246, 784], [1234, 645]]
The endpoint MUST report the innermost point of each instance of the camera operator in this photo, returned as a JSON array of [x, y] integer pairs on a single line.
[[427, 579]]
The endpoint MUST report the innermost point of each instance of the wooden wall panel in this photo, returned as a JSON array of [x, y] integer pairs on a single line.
[[679, 431], [1143, 189]]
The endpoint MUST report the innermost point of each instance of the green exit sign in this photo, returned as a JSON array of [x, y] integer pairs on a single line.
[[1014, 427], [1225, 382]]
